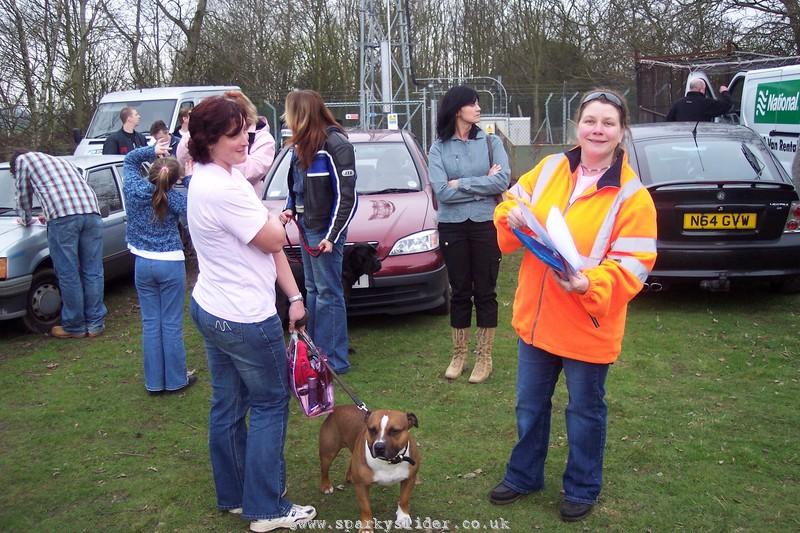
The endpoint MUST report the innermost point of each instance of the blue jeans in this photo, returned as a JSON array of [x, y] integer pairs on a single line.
[[76, 247], [327, 314], [161, 286], [586, 415], [248, 371]]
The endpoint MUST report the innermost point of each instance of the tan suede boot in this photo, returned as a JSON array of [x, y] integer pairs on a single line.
[[460, 342], [483, 364]]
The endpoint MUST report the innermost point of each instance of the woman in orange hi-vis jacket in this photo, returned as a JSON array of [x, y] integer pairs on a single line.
[[575, 325]]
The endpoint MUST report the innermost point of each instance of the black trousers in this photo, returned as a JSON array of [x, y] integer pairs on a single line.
[[473, 261]]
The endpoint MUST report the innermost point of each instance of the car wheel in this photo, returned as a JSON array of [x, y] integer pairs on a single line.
[[789, 285], [44, 302], [444, 308]]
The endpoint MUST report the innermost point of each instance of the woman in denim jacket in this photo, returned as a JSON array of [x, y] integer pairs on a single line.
[[468, 171], [153, 207]]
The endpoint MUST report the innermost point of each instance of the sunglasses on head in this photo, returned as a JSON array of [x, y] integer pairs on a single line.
[[598, 95]]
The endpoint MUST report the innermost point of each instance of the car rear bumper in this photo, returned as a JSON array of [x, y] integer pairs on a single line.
[[780, 258], [395, 295], [13, 297]]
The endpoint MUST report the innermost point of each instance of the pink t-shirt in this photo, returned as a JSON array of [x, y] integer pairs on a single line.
[[583, 182], [236, 280]]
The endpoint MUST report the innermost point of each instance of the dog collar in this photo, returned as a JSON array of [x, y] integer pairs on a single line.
[[401, 456], [397, 459]]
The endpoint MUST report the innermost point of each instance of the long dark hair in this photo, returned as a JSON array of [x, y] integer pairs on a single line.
[[309, 121], [453, 100]]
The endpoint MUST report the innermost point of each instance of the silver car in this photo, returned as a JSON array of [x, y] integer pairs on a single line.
[[28, 283]]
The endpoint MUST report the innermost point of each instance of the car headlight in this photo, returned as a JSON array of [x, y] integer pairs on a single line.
[[3, 268], [424, 241]]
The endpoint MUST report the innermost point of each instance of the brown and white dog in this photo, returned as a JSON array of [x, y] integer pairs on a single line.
[[382, 451]]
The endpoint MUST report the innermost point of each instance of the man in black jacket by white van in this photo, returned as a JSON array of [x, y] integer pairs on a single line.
[[695, 106]]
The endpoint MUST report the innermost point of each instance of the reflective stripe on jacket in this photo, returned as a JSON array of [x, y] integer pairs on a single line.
[[613, 224]]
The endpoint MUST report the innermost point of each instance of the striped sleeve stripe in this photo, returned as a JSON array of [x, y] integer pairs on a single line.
[[604, 233], [338, 200], [632, 265], [634, 244]]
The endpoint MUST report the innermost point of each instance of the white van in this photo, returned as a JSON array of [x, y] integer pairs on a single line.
[[163, 103], [768, 101]]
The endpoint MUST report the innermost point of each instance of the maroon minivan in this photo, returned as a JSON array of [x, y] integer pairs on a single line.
[[396, 215]]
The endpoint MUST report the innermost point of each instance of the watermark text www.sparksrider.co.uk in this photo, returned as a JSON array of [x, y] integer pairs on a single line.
[[418, 523]]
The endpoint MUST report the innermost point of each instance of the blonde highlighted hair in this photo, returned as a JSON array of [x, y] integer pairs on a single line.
[[163, 173], [250, 111]]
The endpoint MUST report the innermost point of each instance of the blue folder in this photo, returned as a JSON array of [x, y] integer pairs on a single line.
[[545, 254]]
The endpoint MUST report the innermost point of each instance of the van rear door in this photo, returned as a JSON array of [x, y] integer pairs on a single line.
[[771, 106]]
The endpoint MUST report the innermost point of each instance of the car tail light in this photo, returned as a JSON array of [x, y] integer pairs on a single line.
[[3, 267], [793, 220]]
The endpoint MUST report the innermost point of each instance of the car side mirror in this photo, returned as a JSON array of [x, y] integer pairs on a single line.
[[104, 211], [77, 135]]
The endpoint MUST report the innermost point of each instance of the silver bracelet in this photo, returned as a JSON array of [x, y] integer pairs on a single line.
[[296, 298]]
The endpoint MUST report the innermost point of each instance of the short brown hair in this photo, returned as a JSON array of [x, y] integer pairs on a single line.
[[125, 112], [12, 163], [157, 127], [213, 118]]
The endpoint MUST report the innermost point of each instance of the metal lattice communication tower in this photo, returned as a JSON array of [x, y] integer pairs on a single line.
[[385, 62]]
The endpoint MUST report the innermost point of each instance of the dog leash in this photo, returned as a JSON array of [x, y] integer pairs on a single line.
[[315, 352], [312, 251]]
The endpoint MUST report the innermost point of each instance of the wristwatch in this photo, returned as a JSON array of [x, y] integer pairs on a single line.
[[296, 298]]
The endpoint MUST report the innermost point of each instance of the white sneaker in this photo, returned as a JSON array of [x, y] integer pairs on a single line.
[[298, 515]]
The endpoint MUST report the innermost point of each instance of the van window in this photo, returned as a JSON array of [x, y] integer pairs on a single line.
[[106, 117]]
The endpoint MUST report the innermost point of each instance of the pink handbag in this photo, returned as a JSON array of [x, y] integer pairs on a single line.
[[310, 379]]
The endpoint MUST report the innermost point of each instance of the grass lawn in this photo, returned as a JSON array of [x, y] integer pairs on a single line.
[[703, 425]]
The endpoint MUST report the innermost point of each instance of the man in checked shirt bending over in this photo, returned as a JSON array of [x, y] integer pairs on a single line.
[[74, 235]]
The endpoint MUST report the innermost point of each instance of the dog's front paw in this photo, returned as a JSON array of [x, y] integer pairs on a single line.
[[403, 519], [326, 489]]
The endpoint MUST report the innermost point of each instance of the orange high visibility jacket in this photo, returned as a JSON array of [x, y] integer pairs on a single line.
[[613, 224]]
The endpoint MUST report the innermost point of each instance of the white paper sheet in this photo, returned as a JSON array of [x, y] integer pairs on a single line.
[[562, 239], [533, 224]]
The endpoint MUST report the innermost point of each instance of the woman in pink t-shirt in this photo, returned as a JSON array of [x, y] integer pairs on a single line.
[[239, 247]]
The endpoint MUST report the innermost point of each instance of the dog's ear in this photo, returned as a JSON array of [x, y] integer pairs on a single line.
[[366, 416], [412, 420]]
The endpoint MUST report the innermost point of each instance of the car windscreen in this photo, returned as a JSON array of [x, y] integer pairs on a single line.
[[380, 168], [8, 195], [710, 159], [106, 117]]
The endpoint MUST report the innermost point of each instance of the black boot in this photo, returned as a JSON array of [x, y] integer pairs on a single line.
[[573, 511]]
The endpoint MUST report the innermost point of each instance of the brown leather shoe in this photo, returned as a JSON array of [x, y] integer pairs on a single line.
[[95, 333], [60, 333]]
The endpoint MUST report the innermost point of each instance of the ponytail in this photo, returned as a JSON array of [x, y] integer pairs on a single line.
[[164, 173]]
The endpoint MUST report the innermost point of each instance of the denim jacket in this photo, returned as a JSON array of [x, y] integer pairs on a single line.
[[468, 162]]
